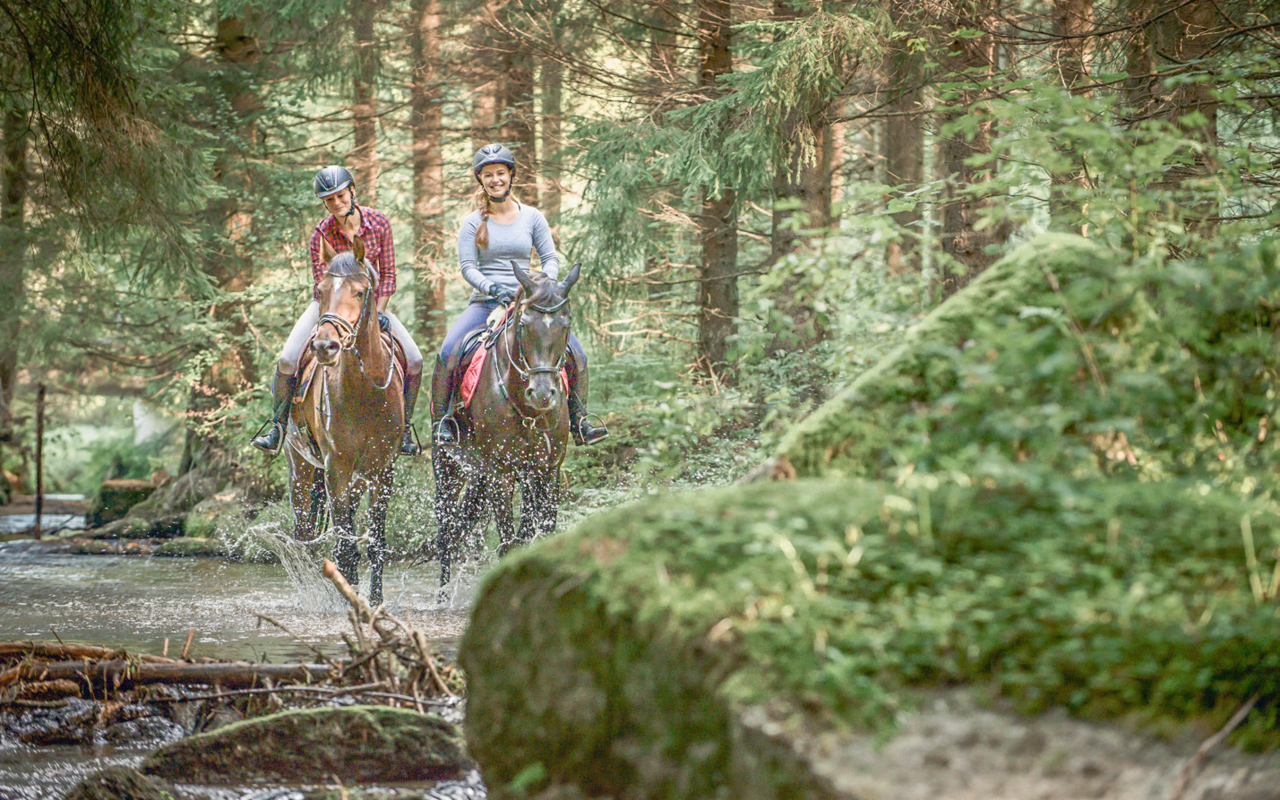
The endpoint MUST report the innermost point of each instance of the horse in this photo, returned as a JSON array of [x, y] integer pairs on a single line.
[[347, 422], [515, 430]]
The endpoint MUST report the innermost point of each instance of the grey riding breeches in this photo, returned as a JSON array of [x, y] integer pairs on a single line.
[[301, 334]]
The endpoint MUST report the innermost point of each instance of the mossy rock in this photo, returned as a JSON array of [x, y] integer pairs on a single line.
[[115, 498], [192, 547], [203, 519], [359, 744], [1071, 357], [120, 783], [623, 656]]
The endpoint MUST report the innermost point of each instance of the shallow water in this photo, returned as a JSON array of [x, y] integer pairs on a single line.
[[136, 602]]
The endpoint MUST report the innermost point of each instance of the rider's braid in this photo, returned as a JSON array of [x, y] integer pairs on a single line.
[[482, 230]]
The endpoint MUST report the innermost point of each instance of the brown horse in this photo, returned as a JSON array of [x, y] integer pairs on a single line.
[[346, 429], [515, 430]]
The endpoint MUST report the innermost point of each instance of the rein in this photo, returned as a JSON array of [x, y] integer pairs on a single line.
[[348, 333], [523, 369]]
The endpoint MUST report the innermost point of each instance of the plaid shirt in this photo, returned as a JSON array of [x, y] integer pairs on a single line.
[[378, 248]]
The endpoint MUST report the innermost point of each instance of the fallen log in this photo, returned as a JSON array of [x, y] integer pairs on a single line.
[[67, 652], [118, 674]]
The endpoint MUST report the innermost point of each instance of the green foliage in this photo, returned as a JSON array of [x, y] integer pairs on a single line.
[[1072, 357]]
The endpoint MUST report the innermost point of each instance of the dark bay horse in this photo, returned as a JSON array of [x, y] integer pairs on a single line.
[[353, 411], [515, 430]]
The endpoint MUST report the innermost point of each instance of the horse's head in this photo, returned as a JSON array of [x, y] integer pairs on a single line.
[[542, 334], [346, 301]]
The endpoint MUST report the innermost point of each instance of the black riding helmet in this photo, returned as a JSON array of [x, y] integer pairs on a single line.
[[331, 180], [492, 154]]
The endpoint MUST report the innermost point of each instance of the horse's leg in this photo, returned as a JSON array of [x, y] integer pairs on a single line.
[[446, 508], [502, 500], [305, 481], [380, 498], [538, 506], [342, 508]]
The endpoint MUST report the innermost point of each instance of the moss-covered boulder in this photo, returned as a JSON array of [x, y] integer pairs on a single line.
[[191, 547], [629, 656], [115, 498], [120, 783], [358, 744], [203, 519], [1070, 357]]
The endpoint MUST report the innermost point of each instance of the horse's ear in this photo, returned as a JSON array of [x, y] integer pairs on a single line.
[[521, 275], [357, 247], [326, 251], [571, 278]]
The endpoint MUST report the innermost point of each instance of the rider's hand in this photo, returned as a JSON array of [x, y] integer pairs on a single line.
[[502, 294], [384, 322]]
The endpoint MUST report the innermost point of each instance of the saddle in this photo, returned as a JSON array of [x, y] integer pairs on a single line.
[[472, 362]]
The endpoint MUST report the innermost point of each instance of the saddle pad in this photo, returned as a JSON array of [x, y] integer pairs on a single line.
[[471, 378]]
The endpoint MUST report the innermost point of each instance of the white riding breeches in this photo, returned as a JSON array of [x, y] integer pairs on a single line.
[[301, 334]]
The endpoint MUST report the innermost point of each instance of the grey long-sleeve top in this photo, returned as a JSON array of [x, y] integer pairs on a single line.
[[507, 243]]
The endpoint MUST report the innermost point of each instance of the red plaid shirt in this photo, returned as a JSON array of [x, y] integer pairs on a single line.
[[378, 248]]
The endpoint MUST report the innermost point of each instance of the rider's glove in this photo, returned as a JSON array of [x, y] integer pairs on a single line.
[[384, 322], [502, 293]]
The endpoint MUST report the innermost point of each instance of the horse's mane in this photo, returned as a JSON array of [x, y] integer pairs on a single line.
[[344, 265]]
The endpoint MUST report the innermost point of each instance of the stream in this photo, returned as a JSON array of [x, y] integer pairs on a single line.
[[139, 602]]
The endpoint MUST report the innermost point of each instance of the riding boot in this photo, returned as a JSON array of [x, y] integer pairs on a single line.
[[443, 426], [282, 388], [584, 433], [409, 446]]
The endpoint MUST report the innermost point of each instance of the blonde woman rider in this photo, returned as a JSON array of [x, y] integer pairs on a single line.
[[500, 231], [336, 188]]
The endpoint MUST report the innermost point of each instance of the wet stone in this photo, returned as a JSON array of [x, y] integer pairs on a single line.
[[359, 744], [147, 731], [120, 783], [70, 723]]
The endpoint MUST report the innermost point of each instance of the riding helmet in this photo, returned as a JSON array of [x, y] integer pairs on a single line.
[[331, 180], [492, 154]]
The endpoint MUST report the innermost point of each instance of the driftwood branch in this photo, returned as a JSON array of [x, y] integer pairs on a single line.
[[67, 652], [1193, 766], [121, 674]]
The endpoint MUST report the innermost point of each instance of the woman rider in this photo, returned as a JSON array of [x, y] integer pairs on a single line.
[[335, 186], [499, 232]]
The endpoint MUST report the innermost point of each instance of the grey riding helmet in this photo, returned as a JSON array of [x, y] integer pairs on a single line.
[[331, 180], [492, 154]]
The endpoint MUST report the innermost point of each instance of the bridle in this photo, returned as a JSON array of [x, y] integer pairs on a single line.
[[348, 333], [522, 367]]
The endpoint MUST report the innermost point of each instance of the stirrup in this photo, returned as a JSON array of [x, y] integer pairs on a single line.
[[587, 434], [446, 433], [409, 445], [272, 440]]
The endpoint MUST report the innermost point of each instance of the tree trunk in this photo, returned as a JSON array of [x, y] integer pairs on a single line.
[[1071, 20], [902, 141], [364, 156], [718, 286], [518, 131], [974, 58], [230, 264], [430, 258], [13, 267], [552, 95]]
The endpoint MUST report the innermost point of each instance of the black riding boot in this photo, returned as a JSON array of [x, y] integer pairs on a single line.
[[443, 426], [409, 446], [282, 389], [584, 433]]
